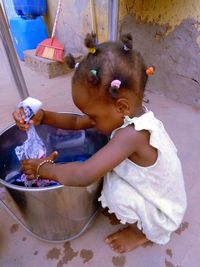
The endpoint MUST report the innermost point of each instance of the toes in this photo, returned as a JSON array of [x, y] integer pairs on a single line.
[[110, 238], [115, 246], [107, 240], [118, 248]]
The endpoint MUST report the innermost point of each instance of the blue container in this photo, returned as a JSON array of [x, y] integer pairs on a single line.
[[30, 7], [27, 33]]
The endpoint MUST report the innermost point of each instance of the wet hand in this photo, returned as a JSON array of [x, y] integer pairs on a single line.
[[29, 167], [19, 117], [32, 168]]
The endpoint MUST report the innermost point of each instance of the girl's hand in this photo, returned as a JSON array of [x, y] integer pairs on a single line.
[[30, 166], [19, 117]]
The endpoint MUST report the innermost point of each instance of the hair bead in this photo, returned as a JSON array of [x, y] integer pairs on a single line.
[[126, 48], [94, 72], [114, 88], [150, 70], [77, 65], [92, 50], [116, 83], [94, 77]]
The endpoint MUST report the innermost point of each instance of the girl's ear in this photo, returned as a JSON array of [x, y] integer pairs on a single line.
[[123, 106]]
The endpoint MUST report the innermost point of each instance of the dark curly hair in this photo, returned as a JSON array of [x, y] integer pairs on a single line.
[[107, 62]]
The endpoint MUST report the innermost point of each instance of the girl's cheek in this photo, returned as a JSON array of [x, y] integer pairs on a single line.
[[93, 122]]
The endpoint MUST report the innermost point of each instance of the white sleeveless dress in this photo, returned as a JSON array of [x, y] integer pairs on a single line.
[[153, 196]]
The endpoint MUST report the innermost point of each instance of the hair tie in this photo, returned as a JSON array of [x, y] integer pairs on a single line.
[[76, 65], [92, 50], [116, 83], [126, 48], [150, 70], [94, 72]]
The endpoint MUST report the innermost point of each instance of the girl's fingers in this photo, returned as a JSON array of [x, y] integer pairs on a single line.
[[30, 161], [19, 115], [31, 177], [29, 166], [21, 111], [23, 127], [19, 118], [27, 171], [30, 173], [25, 162], [53, 155]]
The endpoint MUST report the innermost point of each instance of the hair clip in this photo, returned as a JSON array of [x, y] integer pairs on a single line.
[[126, 48], [94, 72], [150, 70], [92, 50], [76, 65], [116, 83]]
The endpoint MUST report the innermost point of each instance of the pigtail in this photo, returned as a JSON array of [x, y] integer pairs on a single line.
[[70, 61], [113, 91], [127, 41], [91, 42], [114, 88], [93, 77]]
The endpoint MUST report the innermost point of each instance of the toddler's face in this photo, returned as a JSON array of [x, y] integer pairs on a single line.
[[104, 115]]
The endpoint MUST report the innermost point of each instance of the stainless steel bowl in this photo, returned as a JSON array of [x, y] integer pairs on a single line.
[[55, 213]]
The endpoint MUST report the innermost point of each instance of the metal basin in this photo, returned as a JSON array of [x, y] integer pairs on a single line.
[[54, 213]]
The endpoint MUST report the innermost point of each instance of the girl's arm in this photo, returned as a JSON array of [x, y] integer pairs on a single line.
[[125, 142], [58, 120], [66, 121]]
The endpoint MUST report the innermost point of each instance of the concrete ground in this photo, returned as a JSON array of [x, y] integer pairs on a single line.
[[18, 248]]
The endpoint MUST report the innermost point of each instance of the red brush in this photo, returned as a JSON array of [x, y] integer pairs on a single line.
[[51, 48]]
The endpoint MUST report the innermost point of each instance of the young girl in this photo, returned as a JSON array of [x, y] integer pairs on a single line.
[[143, 181]]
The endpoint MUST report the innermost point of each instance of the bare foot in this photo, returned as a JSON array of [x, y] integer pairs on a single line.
[[126, 239]]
